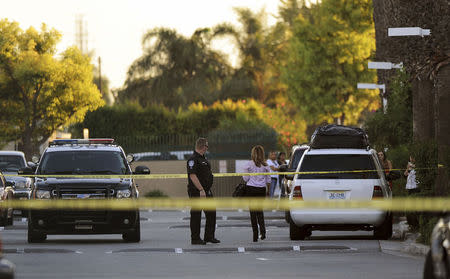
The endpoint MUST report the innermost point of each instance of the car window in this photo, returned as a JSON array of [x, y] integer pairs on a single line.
[[298, 153], [84, 162], [11, 163], [339, 163]]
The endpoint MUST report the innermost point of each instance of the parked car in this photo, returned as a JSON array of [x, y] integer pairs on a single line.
[[339, 185], [7, 268], [84, 156], [437, 262], [6, 193], [11, 162]]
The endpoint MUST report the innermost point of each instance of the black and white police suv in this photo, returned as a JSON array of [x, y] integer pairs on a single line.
[[84, 157]]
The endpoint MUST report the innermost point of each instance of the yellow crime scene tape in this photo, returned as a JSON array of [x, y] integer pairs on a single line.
[[397, 204], [177, 175]]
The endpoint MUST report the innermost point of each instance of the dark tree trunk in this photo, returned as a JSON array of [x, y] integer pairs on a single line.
[[442, 130], [423, 110]]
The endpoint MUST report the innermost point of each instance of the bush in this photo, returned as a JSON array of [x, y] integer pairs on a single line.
[[155, 194]]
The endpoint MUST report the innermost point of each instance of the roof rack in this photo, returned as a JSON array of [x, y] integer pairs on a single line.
[[81, 141]]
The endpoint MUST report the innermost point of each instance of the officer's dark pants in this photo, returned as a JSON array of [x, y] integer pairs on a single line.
[[196, 216], [256, 216]]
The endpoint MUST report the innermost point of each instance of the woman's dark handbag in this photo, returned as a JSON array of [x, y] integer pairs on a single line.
[[239, 191]]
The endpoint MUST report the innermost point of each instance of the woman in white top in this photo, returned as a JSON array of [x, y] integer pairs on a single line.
[[274, 167], [410, 173], [256, 187]]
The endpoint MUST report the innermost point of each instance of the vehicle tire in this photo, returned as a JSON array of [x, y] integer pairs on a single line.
[[35, 237], [10, 221], [384, 230], [296, 232], [135, 234], [287, 217], [428, 272]]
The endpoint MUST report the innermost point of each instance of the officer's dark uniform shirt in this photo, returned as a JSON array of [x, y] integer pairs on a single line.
[[199, 165]]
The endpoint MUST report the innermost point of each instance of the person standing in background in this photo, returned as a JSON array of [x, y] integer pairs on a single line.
[[200, 181], [281, 159], [256, 187], [386, 164], [410, 173], [274, 167]]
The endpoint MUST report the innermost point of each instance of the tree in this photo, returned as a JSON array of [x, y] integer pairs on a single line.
[[39, 91], [175, 71], [260, 52], [328, 53]]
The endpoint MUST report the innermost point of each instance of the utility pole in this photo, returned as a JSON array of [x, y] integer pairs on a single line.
[[100, 74], [81, 34]]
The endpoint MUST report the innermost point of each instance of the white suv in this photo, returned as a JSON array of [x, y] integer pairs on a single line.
[[338, 185]]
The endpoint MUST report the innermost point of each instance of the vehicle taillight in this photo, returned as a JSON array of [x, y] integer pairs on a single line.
[[377, 192], [297, 193]]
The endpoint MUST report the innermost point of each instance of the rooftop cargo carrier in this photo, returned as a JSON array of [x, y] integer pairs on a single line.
[[338, 136]]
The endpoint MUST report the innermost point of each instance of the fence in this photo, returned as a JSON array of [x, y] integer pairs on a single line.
[[222, 145]]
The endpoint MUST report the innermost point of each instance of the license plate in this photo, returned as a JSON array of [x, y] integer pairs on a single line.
[[336, 195]]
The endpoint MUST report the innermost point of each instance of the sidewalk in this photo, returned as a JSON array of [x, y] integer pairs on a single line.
[[403, 241]]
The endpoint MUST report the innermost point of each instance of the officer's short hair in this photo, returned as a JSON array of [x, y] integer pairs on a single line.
[[200, 143]]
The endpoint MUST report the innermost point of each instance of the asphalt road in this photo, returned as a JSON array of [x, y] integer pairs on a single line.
[[165, 252]]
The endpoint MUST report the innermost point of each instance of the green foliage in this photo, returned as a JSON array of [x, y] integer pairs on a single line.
[[175, 71], [38, 91], [155, 194], [329, 48], [395, 127]]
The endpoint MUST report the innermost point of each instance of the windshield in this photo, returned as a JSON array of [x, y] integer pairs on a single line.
[[363, 164], [296, 158], [11, 163], [84, 162]]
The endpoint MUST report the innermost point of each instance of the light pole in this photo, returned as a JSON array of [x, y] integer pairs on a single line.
[[381, 87]]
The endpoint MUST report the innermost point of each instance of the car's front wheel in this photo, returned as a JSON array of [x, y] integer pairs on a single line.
[[33, 236], [135, 234]]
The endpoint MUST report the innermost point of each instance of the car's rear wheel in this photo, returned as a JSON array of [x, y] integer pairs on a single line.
[[135, 234], [384, 230], [296, 232], [35, 237]]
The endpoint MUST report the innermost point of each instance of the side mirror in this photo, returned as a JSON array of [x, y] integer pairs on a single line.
[[26, 171], [10, 183], [32, 165], [141, 170], [130, 158]]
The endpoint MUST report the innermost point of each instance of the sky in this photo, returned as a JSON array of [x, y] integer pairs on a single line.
[[115, 27]]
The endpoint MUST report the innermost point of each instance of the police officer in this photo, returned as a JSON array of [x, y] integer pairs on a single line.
[[200, 180]]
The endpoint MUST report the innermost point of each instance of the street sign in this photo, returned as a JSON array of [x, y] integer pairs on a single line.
[[408, 31], [385, 65]]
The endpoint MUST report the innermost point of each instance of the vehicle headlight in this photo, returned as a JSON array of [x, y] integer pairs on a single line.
[[42, 194], [123, 194]]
